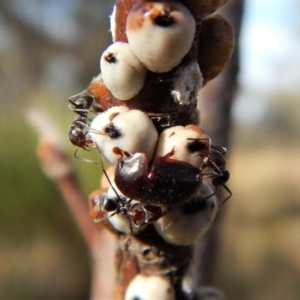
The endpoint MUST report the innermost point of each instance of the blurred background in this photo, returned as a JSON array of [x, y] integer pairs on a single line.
[[49, 51]]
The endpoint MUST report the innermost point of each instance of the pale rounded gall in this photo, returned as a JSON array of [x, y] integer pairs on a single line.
[[129, 130], [149, 288], [188, 144], [160, 34], [182, 227], [121, 222], [122, 73]]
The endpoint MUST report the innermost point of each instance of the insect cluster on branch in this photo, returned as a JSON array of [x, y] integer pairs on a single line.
[[166, 169]]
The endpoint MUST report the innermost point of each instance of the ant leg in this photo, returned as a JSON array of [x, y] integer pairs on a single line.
[[84, 159], [208, 175], [134, 228], [195, 204], [153, 213], [108, 179], [172, 222], [228, 190], [96, 220], [89, 128], [211, 195]]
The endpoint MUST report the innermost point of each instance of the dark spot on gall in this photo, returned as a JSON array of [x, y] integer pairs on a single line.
[[111, 58], [196, 146]]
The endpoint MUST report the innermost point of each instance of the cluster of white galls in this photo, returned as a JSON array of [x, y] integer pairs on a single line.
[[137, 134], [157, 43]]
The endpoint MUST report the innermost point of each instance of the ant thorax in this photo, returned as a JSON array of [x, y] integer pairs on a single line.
[[214, 167], [125, 215], [120, 212]]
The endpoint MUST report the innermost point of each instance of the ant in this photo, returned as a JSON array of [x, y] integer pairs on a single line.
[[79, 138], [214, 160], [81, 104], [76, 134], [220, 180], [137, 214]]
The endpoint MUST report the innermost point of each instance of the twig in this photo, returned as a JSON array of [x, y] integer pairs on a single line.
[[57, 167]]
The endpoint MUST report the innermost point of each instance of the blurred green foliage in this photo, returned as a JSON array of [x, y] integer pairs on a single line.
[[40, 243]]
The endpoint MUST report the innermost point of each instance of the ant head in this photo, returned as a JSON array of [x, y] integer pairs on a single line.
[[216, 161], [107, 203], [77, 137]]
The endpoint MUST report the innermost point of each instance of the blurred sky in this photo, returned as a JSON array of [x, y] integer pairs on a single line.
[[270, 60]]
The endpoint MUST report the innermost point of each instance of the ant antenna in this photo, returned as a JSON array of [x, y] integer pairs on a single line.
[[89, 128], [106, 175], [219, 180], [172, 222]]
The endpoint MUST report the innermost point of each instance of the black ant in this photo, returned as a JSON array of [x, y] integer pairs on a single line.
[[214, 160], [137, 214], [76, 134], [220, 180], [79, 138], [81, 104]]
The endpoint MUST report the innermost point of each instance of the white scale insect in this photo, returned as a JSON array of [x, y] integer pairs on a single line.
[[194, 218]]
